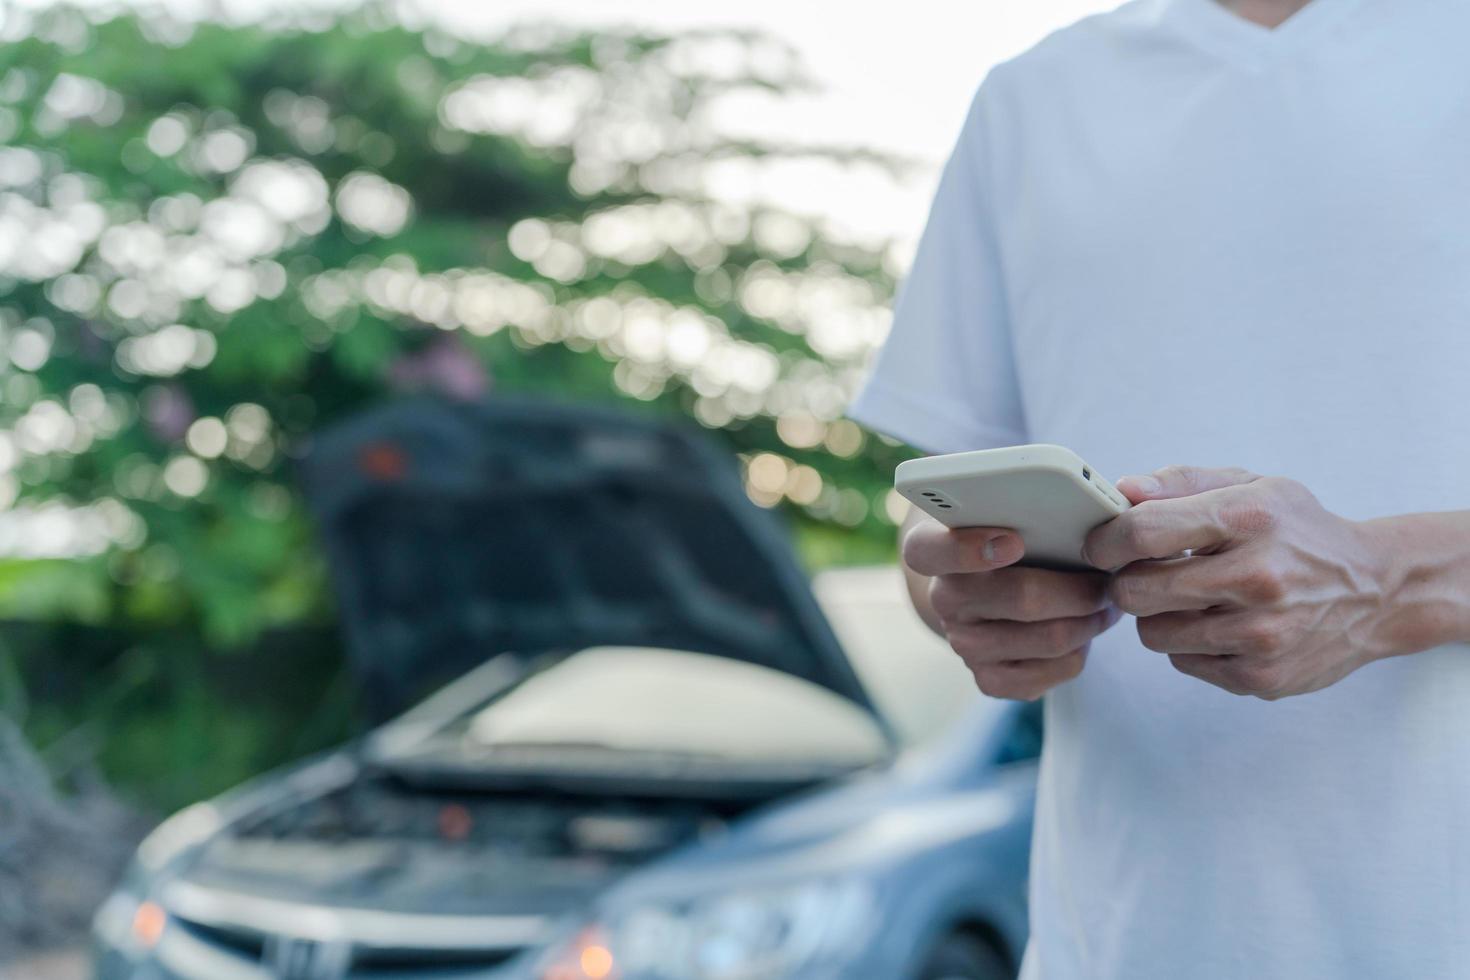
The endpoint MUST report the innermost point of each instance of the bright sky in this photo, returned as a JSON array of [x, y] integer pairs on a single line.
[[898, 76]]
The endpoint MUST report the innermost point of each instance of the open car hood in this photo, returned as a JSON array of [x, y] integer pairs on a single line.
[[456, 532]]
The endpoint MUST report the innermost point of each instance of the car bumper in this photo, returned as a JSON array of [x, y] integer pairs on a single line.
[[184, 954]]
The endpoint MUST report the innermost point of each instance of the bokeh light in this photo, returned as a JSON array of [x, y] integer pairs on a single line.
[[191, 282]]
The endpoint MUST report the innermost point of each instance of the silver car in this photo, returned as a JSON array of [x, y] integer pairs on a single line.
[[663, 758]]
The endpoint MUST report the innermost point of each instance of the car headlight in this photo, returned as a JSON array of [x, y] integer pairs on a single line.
[[755, 934], [129, 920], [129, 924]]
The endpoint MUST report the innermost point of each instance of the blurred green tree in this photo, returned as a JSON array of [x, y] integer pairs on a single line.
[[216, 237]]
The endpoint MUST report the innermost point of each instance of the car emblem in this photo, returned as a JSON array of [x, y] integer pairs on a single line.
[[295, 958]]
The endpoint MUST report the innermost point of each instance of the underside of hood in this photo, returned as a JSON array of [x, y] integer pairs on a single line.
[[456, 532]]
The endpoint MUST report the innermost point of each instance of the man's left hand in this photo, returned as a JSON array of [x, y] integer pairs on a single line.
[[1246, 582]]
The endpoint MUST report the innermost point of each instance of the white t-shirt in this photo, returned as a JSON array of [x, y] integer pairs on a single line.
[[1166, 236]]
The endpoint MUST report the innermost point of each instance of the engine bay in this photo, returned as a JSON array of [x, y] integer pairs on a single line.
[[405, 848], [540, 824]]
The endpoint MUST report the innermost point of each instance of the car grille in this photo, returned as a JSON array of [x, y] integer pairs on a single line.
[[252, 945], [254, 928], [249, 944]]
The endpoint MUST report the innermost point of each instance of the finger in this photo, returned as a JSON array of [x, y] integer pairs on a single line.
[[1231, 579], [1211, 670], [1182, 481], [995, 641], [1029, 679], [1233, 633], [1238, 675], [930, 548], [1021, 594], [1158, 529], [1147, 588]]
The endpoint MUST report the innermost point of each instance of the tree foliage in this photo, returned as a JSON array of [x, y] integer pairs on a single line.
[[216, 237]]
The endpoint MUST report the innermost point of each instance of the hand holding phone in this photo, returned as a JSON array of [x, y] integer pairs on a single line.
[[1021, 624]]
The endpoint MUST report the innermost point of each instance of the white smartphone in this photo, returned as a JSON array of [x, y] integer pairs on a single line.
[[1045, 493]]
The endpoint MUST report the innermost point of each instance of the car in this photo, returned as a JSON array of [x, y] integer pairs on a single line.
[[618, 734]]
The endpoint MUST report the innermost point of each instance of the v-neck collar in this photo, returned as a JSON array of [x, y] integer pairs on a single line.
[[1227, 33]]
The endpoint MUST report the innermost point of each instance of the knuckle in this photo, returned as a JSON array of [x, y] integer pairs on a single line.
[[1058, 636], [1185, 478], [975, 643], [1263, 585], [1124, 592], [1254, 677], [1187, 664], [1281, 488], [966, 643], [920, 551], [1029, 688], [1139, 528], [1249, 512], [1153, 635], [1071, 665], [992, 682], [1029, 599], [946, 597], [1014, 691], [1135, 532], [1261, 639]]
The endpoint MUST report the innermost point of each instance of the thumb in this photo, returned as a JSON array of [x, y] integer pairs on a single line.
[[1181, 481]]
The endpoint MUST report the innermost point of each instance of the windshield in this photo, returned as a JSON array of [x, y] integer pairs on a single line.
[[918, 683], [650, 700]]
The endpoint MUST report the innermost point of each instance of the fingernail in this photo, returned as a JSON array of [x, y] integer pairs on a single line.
[[1002, 549], [1146, 484]]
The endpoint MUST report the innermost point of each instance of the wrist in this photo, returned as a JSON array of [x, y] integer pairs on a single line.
[[1421, 566]]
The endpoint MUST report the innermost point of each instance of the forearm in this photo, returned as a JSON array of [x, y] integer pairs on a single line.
[[1426, 576]]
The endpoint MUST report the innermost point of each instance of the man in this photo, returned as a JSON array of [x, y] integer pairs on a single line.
[[1236, 236]]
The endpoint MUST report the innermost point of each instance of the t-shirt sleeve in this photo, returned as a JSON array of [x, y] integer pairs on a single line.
[[945, 379]]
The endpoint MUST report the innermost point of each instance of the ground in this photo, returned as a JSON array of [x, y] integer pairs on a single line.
[[65, 965]]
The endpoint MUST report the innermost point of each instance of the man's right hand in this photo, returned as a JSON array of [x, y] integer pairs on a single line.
[[1021, 631]]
